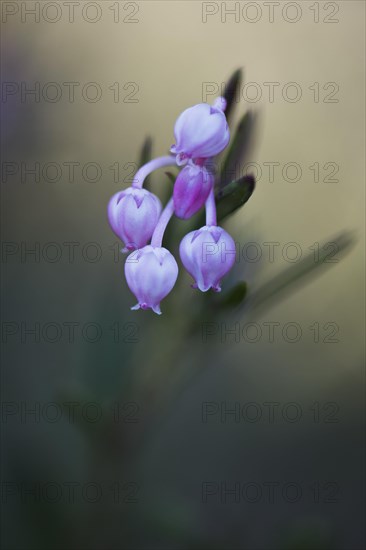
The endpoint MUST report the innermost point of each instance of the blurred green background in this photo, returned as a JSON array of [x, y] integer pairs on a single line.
[[152, 452]]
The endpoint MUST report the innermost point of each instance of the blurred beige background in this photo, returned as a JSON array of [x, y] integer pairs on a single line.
[[169, 53]]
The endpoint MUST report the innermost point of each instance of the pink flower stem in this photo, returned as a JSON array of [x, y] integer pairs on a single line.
[[149, 167], [211, 218], [157, 238]]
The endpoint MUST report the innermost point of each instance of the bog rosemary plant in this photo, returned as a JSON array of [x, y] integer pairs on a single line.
[[208, 253]]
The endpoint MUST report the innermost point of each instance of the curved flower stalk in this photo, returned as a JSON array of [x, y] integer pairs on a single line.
[[134, 214]]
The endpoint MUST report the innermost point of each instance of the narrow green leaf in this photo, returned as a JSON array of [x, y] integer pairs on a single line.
[[233, 196], [301, 272], [172, 177], [146, 151], [232, 92], [239, 149]]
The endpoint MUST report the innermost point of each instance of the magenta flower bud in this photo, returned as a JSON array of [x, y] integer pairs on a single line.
[[208, 254], [201, 132], [133, 215], [151, 273], [191, 190]]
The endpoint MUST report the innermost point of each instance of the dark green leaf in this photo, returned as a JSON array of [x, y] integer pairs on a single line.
[[233, 196], [301, 272], [232, 91], [172, 177], [239, 149], [146, 151]]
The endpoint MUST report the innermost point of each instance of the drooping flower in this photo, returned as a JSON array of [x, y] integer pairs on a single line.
[[201, 131], [208, 254], [191, 190], [151, 273], [133, 215]]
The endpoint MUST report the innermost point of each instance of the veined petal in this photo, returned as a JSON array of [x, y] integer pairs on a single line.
[[152, 277], [133, 215], [208, 255]]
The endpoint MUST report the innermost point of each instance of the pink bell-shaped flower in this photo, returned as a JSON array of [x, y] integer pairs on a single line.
[[201, 132], [133, 215], [191, 190], [208, 254], [151, 273]]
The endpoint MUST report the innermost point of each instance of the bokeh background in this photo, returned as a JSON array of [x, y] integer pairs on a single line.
[[141, 465]]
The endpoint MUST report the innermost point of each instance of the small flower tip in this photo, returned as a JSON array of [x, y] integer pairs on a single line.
[[216, 288], [144, 306], [181, 159], [202, 288], [220, 103], [129, 248]]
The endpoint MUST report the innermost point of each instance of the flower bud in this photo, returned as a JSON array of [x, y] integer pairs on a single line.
[[133, 215], [200, 132], [208, 254], [191, 190], [151, 273]]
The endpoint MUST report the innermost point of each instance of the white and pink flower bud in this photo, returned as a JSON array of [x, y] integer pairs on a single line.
[[133, 215], [201, 132], [151, 273], [191, 190], [208, 255]]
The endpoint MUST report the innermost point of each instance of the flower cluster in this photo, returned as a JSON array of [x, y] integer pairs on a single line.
[[136, 215]]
